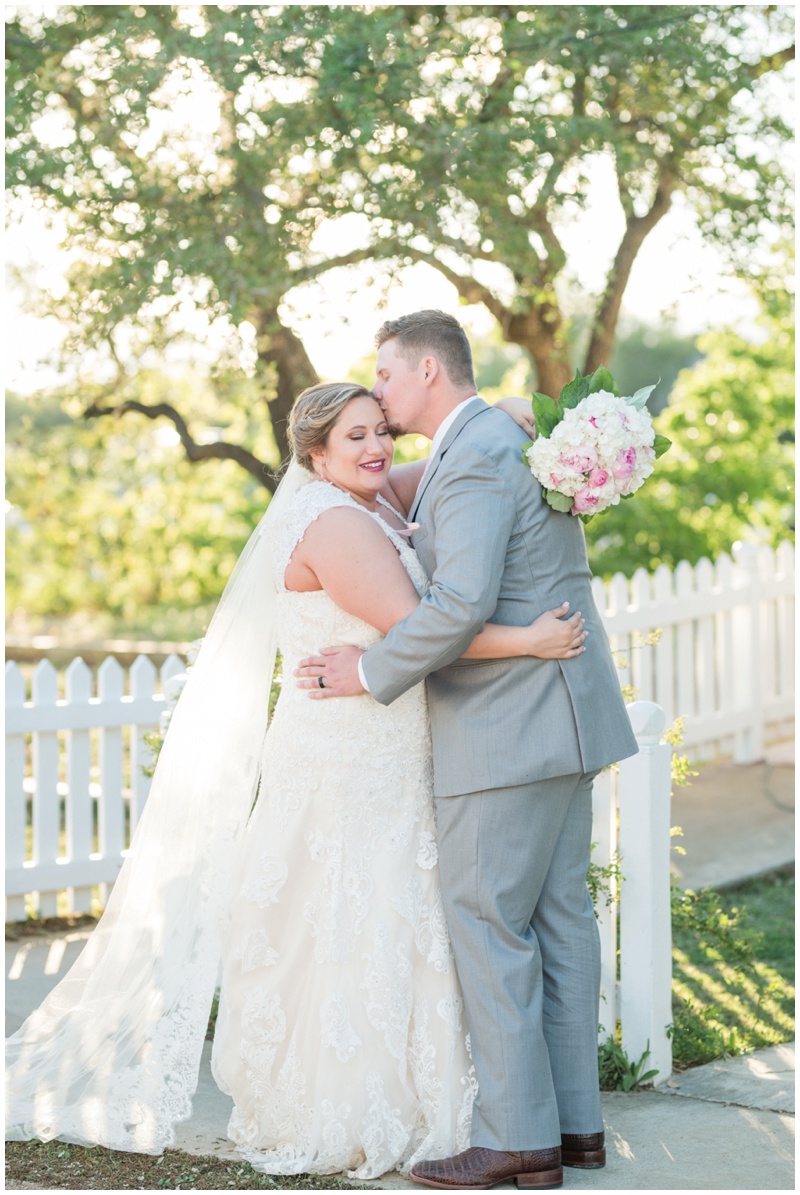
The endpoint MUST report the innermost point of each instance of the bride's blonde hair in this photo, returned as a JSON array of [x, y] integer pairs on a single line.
[[314, 413]]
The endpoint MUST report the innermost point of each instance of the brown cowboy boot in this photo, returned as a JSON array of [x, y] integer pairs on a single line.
[[478, 1169], [585, 1150]]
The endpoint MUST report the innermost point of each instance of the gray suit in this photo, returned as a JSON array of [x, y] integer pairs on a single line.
[[516, 744]]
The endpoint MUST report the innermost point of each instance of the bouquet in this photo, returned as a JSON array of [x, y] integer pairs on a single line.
[[592, 447]]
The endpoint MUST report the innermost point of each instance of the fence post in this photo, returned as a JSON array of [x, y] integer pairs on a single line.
[[604, 841], [749, 742], [645, 924]]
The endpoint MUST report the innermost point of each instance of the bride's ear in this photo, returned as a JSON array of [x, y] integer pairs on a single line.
[[318, 463]]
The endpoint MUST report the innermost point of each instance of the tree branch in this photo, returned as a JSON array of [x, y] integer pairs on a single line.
[[469, 289], [308, 273], [771, 62], [220, 450]]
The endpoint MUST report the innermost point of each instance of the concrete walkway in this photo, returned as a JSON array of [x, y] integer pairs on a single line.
[[728, 1126], [737, 822]]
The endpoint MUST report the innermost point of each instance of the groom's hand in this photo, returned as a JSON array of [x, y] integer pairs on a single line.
[[337, 667]]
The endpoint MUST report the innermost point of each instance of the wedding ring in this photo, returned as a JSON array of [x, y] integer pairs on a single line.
[[320, 682]]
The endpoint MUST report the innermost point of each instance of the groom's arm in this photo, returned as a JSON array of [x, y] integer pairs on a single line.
[[474, 513]]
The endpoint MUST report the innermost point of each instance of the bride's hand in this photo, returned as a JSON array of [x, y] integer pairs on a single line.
[[552, 636], [520, 411]]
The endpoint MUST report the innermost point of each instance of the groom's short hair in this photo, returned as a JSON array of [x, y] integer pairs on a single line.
[[433, 332]]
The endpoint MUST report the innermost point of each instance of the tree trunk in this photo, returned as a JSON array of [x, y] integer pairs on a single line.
[[280, 350], [637, 227], [540, 332]]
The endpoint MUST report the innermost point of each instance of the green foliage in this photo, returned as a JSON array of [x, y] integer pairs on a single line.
[[648, 351], [153, 741], [730, 474], [603, 882], [733, 969], [617, 1071], [702, 915], [107, 519], [546, 413]]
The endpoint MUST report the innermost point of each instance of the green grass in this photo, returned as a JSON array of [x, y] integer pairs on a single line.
[[56, 1166], [733, 970]]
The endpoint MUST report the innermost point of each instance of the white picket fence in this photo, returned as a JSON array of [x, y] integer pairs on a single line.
[[75, 790], [74, 783], [725, 659]]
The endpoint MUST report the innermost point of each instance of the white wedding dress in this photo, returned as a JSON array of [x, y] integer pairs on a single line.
[[340, 1035]]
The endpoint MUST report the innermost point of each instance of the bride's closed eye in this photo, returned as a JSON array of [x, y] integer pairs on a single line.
[[379, 431]]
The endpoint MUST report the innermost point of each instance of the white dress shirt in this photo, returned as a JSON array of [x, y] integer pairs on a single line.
[[439, 435]]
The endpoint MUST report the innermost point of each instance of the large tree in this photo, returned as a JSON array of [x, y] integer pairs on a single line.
[[197, 151]]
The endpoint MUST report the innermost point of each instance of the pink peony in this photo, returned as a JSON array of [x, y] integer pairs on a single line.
[[597, 478], [584, 502], [625, 463], [580, 459]]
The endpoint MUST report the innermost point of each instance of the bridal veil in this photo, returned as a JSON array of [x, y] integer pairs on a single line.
[[112, 1055]]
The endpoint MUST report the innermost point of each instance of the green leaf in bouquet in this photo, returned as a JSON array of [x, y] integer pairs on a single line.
[[639, 399], [575, 391], [660, 445], [528, 444], [545, 413], [601, 379], [588, 518], [560, 502]]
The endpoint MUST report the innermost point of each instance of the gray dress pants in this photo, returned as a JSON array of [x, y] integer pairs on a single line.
[[513, 867]]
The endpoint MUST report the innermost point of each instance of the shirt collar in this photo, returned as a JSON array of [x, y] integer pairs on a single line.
[[446, 424]]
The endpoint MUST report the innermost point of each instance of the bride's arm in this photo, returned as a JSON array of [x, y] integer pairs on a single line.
[[357, 566], [552, 636]]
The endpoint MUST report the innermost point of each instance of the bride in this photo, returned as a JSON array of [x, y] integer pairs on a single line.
[[340, 1034]]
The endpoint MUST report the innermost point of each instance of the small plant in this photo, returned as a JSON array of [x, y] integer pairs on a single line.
[[696, 1038], [617, 1072], [154, 741], [603, 882], [701, 915]]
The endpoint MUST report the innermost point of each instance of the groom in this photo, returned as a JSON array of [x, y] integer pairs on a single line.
[[516, 745]]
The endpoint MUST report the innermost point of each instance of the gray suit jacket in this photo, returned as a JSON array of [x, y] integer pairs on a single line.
[[495, 551]]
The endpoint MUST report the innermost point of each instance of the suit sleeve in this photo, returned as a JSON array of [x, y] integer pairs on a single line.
[[474, 516]]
